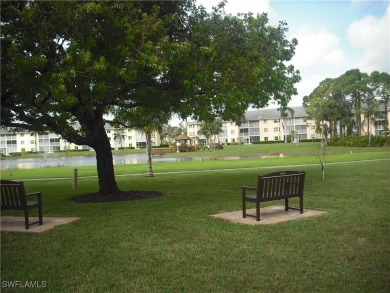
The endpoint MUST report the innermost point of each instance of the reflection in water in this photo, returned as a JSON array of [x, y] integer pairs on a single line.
[[18, 163], [45, 162]]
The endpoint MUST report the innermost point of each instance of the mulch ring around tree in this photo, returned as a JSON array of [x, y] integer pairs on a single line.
[[120, 196]]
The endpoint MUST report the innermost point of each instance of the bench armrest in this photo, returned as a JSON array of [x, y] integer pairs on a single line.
[[249, 187], [35, 193], [245, 188]]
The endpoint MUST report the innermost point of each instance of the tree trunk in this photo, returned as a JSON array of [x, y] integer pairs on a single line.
[[335, 128], [386, 128], [104, 161], [149, 170], [358, 118], [285, 133], [331, 128], [323, 134], [369, 132]]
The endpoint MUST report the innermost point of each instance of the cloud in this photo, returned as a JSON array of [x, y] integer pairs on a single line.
[[318, 56], [321, 49], [243, 6], [372, 36]]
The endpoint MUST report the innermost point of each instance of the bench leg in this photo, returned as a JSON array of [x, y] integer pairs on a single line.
[[40, 214], [243, 208], [286, 204], [301, 205], [26, 222], [257, 211]]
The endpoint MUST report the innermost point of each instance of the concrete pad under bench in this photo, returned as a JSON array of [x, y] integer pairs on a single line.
[[268, 215], [16, 224]]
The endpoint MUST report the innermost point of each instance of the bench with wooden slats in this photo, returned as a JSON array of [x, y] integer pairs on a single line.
[[14, 197], [274, 186]]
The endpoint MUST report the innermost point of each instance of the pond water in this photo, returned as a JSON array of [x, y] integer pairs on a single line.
[[47, 161]]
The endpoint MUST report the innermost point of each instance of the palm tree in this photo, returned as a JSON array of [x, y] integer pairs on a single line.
[[369, 116], [210, 129], [284, 111], [381, 85], [145, 121], [119, 134], [148, 133]]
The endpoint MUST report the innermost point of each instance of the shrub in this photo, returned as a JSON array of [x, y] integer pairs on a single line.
[[268, 142], [359, 141]]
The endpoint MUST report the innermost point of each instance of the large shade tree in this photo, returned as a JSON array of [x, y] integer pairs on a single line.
[[70, 63], [356, 90], [380, 82], [344, 100]]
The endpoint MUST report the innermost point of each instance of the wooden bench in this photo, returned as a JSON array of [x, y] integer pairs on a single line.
[[273, 186], [14, 197]]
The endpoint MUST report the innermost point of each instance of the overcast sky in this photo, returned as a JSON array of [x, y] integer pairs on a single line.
[[333, 36]]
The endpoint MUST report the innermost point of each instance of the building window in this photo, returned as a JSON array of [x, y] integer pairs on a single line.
[[265, 129], [276, 128], [265, 138], [108, 131], [265, 121], [276, 138], [275, 120], [244, 131]]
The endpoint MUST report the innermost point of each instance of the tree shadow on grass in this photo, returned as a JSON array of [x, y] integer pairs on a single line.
[[120, 196]]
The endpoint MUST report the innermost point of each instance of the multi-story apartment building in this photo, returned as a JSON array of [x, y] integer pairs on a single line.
[[259, 125], [12, 142], [268, 125]]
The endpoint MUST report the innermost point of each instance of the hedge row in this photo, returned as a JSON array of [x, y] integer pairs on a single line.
[[359, 141]]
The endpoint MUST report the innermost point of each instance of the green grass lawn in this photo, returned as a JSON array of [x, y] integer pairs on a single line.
[[171, 244], [250, 156]]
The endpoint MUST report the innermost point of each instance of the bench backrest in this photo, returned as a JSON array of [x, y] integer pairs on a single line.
[[280, 184], [12, 193]]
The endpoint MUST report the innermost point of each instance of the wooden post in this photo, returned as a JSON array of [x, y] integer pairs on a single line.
[[74, 178]]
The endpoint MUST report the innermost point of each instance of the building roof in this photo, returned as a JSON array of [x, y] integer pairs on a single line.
[[183, 136], [272, 113], [260, 114]]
